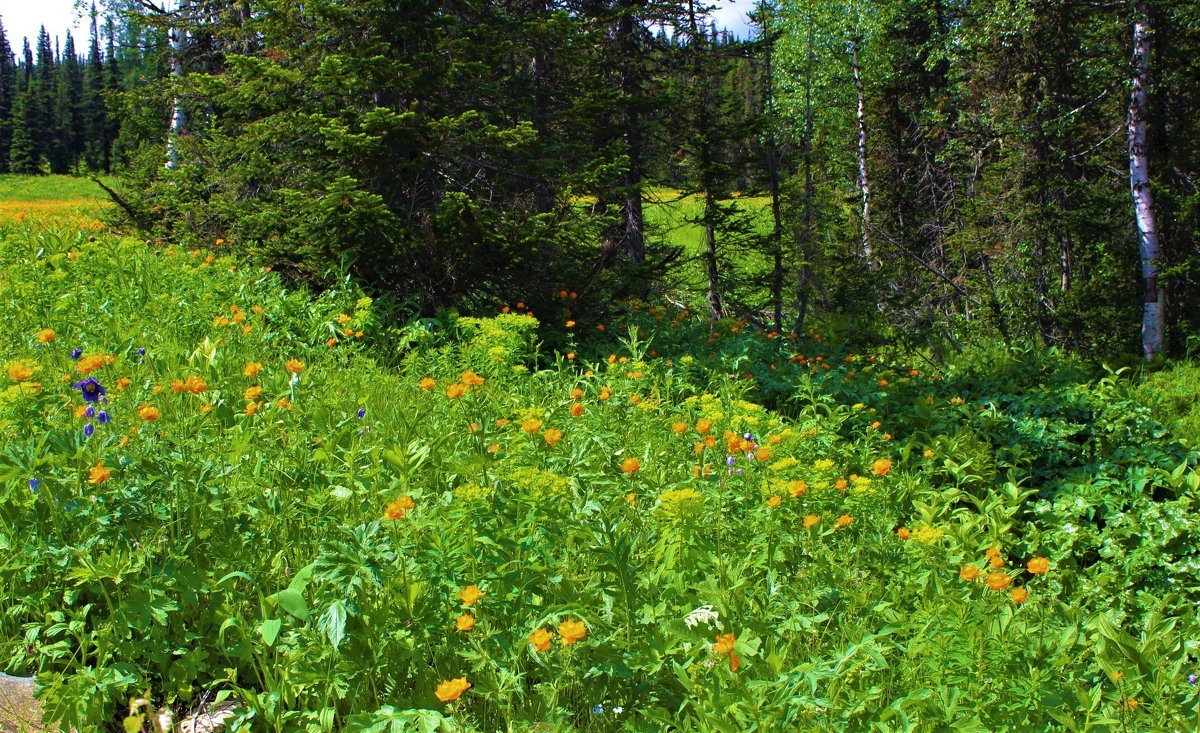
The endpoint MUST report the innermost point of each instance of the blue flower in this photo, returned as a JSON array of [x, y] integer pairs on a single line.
[[88, 430], [91, 389], [362, 412], [76, 353], [104, 417], [141, 352], [598, 710], [34, 485], [90, 412], [729, 460], [1192, 679]]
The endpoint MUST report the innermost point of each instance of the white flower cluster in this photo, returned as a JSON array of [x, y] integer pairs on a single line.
[[703, 615]]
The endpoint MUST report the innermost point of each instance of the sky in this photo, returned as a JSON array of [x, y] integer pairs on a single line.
[[22, 18]]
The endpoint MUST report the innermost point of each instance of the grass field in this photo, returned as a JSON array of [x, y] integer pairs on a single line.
[[214, 487], [51, 201]]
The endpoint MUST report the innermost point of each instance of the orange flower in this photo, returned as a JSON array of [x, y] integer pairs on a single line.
[[531, 425], [147, 412], [284, 402], [552, 436], [843, 521], [455, 391], [19, 371], [178, 386], [703, 425], [605, 393], [904, 533], [991, 552], [577, 409], [724, 643], [451, 690], [398, 508], [46, 335], [427, 383], [343, 318], [1038, 566], [774, 501], [331, 343], [252, 408], [571, 631], [631, 499], [969, 572], [252, 369], [1019, 595], [89, 364], [679, 428], [471, 379], [541, 639], [797, 489], [576, 393], [929, 453], [881, 467], [841, 484], [630, 466], [124, 382], [465, 622], [998, 581], [470, 595], [811, 520], [195, 385], [252, 393], [98, 474], [996, 562], [295, 366]]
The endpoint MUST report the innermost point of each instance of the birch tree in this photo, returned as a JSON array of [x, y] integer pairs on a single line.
[[1139, 187]]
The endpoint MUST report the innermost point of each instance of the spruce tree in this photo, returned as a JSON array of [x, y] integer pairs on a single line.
[[8, 92], [22, 156]]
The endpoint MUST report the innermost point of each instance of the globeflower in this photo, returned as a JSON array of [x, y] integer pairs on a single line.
[[724, 643], [98, 474], [148, 412], [465, 622], [427, 383], [398, 508], [552, 436], [630, 466], [295, 366], [571, 631], [531, 425], [1019, 595], [881, 467], [252, 369], [1038, 566], [904, 533], [89, 364], [455, 391], [774, 501], [470, 595], [969, 572], [811, 520], [19, 371], [451, 690], [843, 521], [541, 639], [998, 581], [577, 409], [46, 335], [471, 379]]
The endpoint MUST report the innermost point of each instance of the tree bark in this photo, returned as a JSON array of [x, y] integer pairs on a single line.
[[863, 183], [1153, 317], [178, 38]]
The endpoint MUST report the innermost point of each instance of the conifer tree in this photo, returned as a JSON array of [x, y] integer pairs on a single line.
[[8, 93]]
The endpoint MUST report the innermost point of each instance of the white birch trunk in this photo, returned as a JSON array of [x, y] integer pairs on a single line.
[[863, 184], [1153, 317], [178, 38]]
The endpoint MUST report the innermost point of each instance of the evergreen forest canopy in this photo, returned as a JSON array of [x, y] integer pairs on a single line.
[[923, 171]]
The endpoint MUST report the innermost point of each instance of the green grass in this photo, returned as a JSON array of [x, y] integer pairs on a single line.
[[51, 188], [243, 531]]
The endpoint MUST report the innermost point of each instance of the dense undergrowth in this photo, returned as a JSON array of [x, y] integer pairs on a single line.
[[283, 499]]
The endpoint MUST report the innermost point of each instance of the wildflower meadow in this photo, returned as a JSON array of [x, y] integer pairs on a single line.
[[215, 487]]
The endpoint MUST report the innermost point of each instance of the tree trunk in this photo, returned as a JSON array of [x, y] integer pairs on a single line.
[[1139, 187], [633, 240], [863, 184], [804, 276], [773, 177], [178, 37]]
